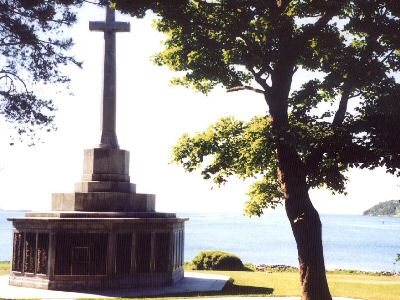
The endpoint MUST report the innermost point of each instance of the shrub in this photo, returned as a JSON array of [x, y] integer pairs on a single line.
[[217, 260]]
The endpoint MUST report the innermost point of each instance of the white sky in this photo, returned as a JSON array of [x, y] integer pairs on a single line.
[[151, 116]]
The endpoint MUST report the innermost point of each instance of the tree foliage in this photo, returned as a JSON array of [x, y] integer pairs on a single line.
[[346, 116], [231, 147], [32, 49]]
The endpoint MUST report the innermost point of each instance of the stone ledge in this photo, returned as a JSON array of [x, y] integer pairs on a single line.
[[99, 282], [21, 282], [86, 214], [92, 223], [98, 224], [105, 186], [103, 201], [105, 177], [191, 282]]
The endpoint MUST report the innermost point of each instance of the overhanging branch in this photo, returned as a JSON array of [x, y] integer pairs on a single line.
[[245, 87]]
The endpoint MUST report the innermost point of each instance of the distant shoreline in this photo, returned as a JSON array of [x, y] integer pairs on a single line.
[[286, 268]]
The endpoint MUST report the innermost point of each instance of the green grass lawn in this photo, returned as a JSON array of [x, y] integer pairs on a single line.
[[361, 286], [342, 284], [4, 267], [368, 287]]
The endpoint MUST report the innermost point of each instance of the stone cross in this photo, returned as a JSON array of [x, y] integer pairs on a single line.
[[108, 104]]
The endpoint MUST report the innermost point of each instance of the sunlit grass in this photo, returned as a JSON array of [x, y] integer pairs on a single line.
[[4, 267], [249, 283], [342, 284]]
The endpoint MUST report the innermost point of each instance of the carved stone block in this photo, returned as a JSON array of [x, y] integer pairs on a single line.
[[98, 161]]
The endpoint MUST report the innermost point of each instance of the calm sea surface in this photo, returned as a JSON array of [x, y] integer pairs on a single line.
[[350, 242]]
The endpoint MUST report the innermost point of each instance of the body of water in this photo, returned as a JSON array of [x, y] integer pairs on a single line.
[[350, 242]]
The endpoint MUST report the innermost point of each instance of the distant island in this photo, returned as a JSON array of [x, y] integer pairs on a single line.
[[387, 208]]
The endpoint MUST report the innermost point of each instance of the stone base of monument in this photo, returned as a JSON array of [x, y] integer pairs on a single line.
[[86, 250], [102, 236]]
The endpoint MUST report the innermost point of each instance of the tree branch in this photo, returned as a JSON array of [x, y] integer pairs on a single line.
[[311, 32], [33, 17], [10, 44], [387, 56], [342, 109], [245, 87], [260, 81], [10, 74], [316, 155], [264, 70]]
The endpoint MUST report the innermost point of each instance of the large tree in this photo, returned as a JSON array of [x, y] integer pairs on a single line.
[[32, 50], [352, 47], [347, 116]]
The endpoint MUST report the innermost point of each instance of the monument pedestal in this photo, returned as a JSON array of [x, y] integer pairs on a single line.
[[104, 235]]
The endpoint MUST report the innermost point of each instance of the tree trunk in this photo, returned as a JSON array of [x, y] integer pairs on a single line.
[[303, 217], [305, 223]]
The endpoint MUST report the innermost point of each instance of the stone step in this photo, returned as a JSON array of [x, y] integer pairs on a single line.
[[105, 177], [103, 201], [105, 186]]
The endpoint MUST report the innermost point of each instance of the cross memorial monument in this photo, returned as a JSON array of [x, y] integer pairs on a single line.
[[108, 104], [104, 234]]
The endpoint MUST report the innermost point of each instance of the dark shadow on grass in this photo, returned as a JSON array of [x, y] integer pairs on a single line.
[[247, 269], [230, 289], [233, 289]]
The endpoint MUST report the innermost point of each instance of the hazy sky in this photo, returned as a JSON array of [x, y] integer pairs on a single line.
[[151, 116]]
